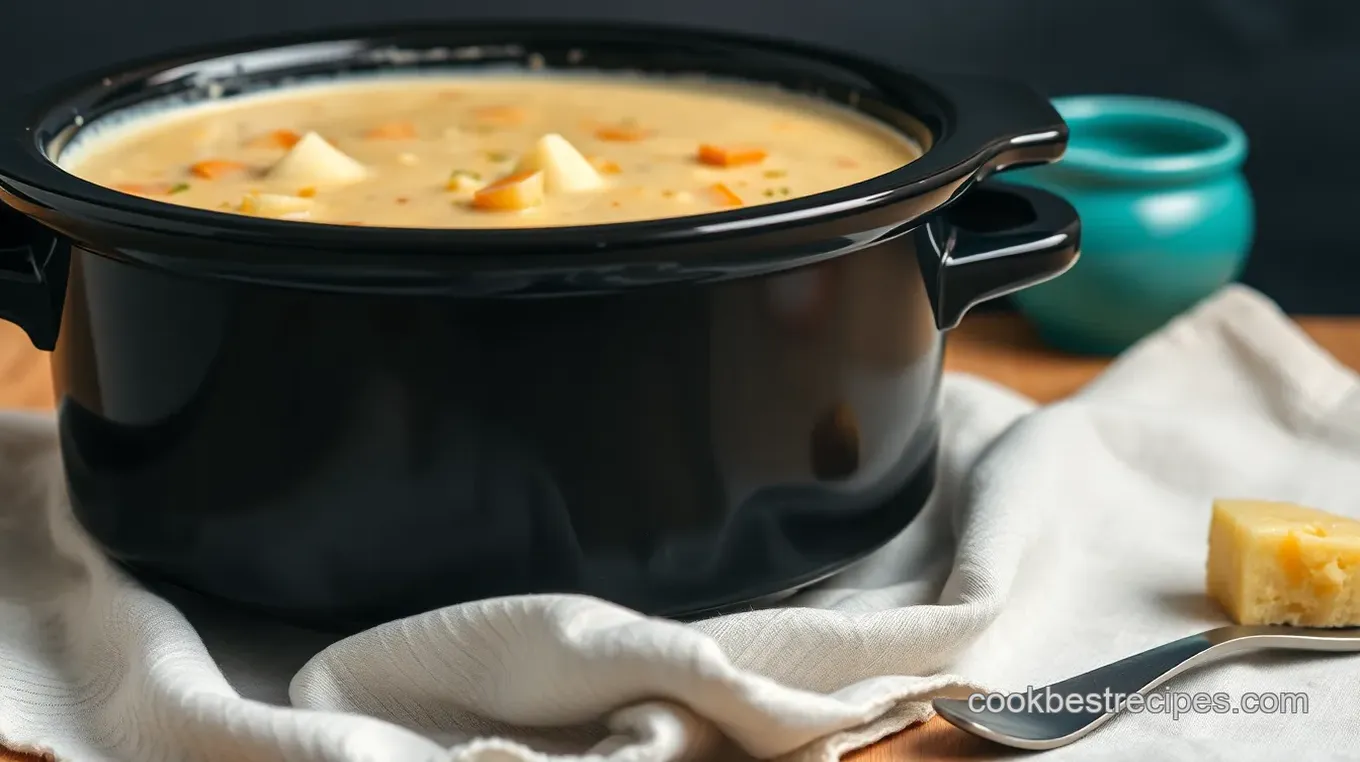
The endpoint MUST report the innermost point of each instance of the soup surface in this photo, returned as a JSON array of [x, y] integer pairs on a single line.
[[492, 151]]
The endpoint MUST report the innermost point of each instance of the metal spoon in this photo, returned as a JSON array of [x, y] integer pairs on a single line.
[[1039, 729]]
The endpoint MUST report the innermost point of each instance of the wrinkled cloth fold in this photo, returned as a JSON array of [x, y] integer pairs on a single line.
[[1060, 538]]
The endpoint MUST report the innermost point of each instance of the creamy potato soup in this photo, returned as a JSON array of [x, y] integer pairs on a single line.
[[492, 151]]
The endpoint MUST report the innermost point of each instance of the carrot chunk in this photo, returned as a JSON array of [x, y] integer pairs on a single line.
[[392, 131], [212, 169], [504, 115], [149, 189], [513, 192], [730, 156], [623, 133], [724, 195], [605, 166], [277, 139]]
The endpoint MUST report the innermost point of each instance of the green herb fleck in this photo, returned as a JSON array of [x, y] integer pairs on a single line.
[[498, 156], [469, 174], [774, 173], [769, 193], [784, 190], [178, 188]]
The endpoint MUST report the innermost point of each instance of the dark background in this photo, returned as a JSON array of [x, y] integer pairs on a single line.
[[1287, 70]]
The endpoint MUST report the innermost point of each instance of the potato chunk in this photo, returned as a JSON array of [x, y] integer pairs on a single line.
[[315, 162], [565, 170], [277, 205]]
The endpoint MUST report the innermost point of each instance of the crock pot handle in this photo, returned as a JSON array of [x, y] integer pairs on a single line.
[[994, 240], [995, 125], [29, 297]]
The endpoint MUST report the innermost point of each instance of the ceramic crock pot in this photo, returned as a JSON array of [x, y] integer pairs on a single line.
[[341, 425], [1167, 213]]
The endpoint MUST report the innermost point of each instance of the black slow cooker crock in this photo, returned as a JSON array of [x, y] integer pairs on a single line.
[[341, 425]]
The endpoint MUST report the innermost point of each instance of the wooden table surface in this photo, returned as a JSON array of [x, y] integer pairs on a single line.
[[997, 346]]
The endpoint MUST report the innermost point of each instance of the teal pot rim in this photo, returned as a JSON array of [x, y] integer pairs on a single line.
[[1196, 141]]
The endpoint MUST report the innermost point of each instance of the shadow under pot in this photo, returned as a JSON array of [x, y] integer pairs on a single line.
[[343, 425]]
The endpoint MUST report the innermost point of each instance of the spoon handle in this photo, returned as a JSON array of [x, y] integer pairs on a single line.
[[1058, 714], [1144, 671]]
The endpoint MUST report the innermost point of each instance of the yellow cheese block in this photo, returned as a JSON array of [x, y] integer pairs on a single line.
[[1280, 563]]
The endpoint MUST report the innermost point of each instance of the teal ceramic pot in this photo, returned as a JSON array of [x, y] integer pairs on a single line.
[[1167, 218]]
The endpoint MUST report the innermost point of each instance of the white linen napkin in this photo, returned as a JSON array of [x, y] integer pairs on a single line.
[[1060, 539]]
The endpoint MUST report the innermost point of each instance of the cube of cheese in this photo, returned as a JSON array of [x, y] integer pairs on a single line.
[[1280, 563]]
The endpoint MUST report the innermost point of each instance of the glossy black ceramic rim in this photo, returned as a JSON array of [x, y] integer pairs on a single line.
[[951, 117]]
